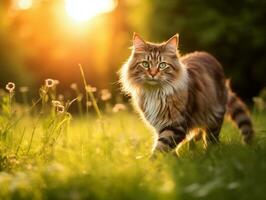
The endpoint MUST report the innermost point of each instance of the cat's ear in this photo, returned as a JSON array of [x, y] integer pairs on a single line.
[[138, 43], [172, 44]]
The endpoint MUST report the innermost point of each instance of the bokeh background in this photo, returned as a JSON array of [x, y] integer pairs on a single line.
[[42, 39]]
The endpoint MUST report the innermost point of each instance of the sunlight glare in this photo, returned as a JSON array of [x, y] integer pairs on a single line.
[[23, 4], [83, 10]]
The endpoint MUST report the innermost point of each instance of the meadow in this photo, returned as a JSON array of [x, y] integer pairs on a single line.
[[48, 153], [80, 138]]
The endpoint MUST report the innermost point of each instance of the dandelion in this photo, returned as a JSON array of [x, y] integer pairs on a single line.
[[105, 95], [89, 103], [74, 86], [10, 86], [49, 83], [23, 89], [118, 107], [90, 88]]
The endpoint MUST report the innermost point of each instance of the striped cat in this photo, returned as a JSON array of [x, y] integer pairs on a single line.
[[178, 95]]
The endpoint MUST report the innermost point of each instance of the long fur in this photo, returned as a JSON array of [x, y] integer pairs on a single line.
[[190, 93]]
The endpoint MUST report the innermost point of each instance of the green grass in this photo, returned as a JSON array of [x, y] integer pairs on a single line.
[[56, 156]]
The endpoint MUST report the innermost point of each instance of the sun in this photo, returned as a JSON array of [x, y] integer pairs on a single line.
[[84, 10]]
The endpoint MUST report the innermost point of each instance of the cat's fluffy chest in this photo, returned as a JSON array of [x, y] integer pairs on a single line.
[[161, 110]]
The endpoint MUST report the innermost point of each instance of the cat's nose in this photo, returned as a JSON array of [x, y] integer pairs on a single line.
[[153, 71]]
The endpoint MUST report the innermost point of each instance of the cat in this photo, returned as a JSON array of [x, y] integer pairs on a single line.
[[177, 95]]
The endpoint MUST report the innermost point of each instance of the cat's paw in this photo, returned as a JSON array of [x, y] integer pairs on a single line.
[[161, 147]]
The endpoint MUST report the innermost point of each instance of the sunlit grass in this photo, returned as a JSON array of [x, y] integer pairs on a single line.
[[46, 153]]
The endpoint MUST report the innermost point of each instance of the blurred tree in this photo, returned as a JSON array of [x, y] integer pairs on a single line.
[[233, 31], [44, 40], [12, 63]]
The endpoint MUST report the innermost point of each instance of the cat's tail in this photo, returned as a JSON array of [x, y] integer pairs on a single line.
[[238, 112]]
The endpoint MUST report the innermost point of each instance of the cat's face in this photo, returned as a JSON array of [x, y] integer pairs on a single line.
[[153, 65]]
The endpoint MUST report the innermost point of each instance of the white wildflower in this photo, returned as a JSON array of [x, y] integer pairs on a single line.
[[49, 82], [74, 86], [90, 88], [105, 95], [10, 86]]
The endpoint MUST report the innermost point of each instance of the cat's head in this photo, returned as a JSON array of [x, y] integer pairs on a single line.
[[152, 66]]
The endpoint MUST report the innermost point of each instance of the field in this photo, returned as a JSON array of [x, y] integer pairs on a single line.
[[68, 132], [46, 153]]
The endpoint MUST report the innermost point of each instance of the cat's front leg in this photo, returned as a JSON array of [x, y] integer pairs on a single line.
[[169, 138]]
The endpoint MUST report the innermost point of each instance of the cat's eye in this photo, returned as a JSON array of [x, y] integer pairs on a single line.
[[162, 65], [145, 64]]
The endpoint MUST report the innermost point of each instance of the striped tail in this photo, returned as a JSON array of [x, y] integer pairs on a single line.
[[238, 112]]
